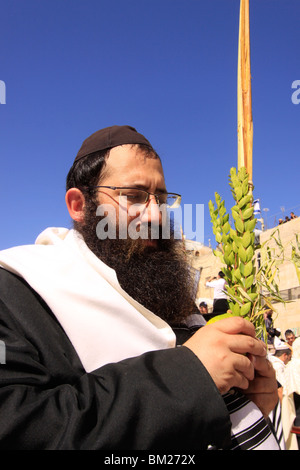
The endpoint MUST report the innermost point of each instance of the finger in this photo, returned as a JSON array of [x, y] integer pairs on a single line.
[[241, 382], [243, 344], [263, 366], [235, 325], [244, 366], [265, 385]]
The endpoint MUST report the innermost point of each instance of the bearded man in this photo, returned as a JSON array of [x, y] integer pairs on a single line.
[[89, 316]]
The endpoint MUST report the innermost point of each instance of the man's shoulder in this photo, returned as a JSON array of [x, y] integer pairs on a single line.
[[16, 293], [10, 280]]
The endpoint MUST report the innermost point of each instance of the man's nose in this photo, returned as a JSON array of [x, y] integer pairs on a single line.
[[151, 212]]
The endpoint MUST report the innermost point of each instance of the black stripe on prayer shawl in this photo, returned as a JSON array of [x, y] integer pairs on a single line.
[[252, 436]]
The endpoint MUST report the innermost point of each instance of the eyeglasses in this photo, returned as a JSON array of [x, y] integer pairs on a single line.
[[141, 196]]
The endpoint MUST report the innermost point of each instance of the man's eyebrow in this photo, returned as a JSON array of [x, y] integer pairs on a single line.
[[145, 188]]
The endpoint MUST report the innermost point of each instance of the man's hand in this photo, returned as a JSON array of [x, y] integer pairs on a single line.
[[222, 348], [263, 390]]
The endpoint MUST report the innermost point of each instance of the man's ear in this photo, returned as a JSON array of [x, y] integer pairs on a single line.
[[75, 204]]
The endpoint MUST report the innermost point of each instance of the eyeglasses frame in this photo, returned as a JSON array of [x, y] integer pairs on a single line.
[[178, 196]]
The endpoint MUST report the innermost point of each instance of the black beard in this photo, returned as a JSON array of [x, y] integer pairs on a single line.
[[157, 277]]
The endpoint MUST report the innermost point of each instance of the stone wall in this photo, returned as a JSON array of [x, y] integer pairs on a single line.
[[286, 316]]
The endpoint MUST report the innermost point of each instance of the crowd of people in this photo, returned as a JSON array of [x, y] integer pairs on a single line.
[[285, 359], [287, 218]]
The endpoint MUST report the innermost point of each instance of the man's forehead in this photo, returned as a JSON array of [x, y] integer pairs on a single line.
[[129, 159]]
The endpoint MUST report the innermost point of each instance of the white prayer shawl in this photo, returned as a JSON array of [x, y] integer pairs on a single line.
[[101, 320], [284, 375]]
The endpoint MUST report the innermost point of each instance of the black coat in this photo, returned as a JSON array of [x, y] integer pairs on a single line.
[[162, 400]]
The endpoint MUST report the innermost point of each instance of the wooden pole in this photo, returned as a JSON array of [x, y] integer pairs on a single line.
[[244, 99]]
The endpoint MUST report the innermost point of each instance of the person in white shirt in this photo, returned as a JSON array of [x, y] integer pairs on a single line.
[[220, 304], [280, 361]]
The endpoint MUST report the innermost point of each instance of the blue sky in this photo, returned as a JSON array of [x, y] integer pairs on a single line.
[[166, 67]]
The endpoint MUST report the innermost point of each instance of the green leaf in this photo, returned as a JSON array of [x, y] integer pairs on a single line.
[[239, 225], [235, 215], [248, 213], [225, 218], [245, 309], [224, 238], [242, 254], [244, 293], [250, 225], [218, 237], [246, 240], [249, 281], [236, 309], [219, 317], [244, 201], [235, 247], [253, 296], [231, 258], [236, 273], [238, 193], [227, 249], [248, 269], [222, 211], [226, 227], [249, 253], [245, 186]]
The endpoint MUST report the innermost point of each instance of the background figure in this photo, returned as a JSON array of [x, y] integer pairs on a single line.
[[220, 297], [280, 361], [289, 337], [203, 308], [271, 331], [197, 319], [293, 377]]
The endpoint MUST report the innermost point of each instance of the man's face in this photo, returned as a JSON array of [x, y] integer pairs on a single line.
[[153, 272], [290, 339], [286, 358], [127, 167], [203, 310]]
